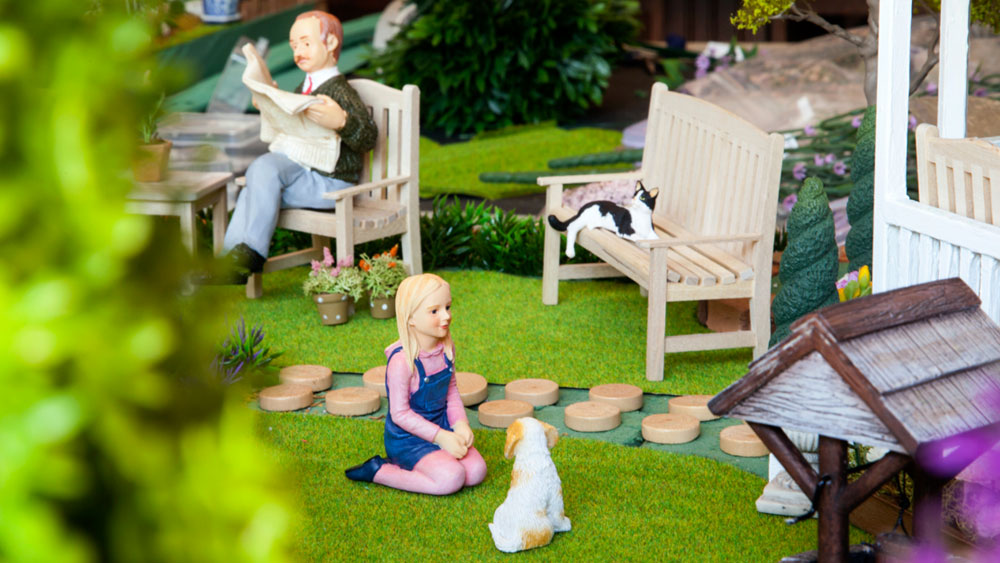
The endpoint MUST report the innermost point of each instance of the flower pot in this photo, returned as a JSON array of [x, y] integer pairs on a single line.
[[151, 163], [220, 11], [334, 308], [382, 307]]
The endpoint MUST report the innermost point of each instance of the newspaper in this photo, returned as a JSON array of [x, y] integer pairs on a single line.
[[283, 122]]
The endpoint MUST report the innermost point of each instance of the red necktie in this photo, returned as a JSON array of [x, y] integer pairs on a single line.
[[309, 88]]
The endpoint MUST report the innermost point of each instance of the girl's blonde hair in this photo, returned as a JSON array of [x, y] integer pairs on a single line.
[[409, 296]]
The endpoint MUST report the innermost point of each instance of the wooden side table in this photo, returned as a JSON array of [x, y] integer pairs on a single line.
[[183, 193]]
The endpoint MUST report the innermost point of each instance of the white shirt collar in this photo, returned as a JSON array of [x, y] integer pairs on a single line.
[[321, 76]]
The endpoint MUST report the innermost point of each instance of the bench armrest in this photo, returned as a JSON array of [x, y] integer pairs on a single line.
[[361, 188], [691, 241], [587, 178]]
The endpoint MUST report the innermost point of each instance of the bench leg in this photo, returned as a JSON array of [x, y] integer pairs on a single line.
[[656, 314], [550, 266], [760, 316], [255, 286]]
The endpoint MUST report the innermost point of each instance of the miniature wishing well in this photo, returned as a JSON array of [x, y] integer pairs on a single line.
[[911, 370]]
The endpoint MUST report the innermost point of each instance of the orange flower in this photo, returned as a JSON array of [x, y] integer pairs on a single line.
[[364, 266], [392, 264], [394, 250]]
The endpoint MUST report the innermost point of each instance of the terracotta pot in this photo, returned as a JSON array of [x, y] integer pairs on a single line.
[[151, 163], [383, 307], [334, 308]]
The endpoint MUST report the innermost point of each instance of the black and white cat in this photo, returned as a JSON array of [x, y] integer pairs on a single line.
[[634, 222]]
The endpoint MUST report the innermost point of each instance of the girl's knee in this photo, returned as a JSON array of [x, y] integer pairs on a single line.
[[452, 477], [475, 472]]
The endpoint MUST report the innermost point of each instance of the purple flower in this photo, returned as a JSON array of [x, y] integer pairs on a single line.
[[931, 88], [809, 130], [839, 168], [818, 159], [856, 122], [829, 158], [913, 122], [799, 173], [789, 202], [725, 61], [702, 62], [700, 73], [848, 278], [979, 92]]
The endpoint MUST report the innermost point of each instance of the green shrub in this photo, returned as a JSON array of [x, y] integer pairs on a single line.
[[485, 65], [510, 244], [116, 441], [446, 234]]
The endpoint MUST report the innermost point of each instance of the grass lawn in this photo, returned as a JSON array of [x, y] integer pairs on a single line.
[[625, 503], [597, 333], [454, 168]]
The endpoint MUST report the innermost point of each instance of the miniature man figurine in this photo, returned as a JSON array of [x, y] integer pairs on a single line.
[[273, 180]]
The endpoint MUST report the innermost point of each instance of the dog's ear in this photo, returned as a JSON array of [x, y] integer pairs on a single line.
[[514, 434], [551, 434]]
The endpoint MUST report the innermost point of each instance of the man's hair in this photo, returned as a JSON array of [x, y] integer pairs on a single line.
[[328, 23]]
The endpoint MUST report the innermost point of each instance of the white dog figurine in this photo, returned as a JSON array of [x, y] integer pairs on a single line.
[[533, 510]]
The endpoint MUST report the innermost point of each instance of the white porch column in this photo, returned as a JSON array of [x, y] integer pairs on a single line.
[[953, 68], [891, 121]]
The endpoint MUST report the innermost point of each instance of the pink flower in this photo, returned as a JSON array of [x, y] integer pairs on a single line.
[[346, 261], [700, 73], [931, 88], [818, 159], [848, 278], [789, 202], [317, 266], [856, 122], [829, 158], [327, 257], [334, 272], [809, 130], [913, 122], [799, 173], [979, 92], [839, 168]]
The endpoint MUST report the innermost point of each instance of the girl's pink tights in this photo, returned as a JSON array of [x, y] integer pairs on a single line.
[[437, 473]]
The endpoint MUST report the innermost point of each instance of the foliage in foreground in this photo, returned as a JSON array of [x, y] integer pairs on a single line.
[[116, 442], [486, 65]]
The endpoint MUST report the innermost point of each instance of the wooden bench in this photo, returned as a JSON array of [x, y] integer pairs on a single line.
[[718, 178]]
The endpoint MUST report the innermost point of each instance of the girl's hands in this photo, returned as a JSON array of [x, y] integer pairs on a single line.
[[451, 443], [464, 433]]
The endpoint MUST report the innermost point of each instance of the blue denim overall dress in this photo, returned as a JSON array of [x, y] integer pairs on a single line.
[[430, 401]]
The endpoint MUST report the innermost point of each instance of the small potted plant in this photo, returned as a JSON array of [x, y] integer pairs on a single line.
[[150, 164], [334, 288], [383, 274]]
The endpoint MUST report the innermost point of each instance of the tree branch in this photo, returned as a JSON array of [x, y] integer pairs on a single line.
[[932, 57], [794, 13]]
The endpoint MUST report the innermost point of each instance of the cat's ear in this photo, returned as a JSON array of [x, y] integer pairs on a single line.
[[654, 192], [639, 187]]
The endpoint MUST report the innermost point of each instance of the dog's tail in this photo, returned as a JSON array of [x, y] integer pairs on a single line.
[[557, 224], [503, 543]]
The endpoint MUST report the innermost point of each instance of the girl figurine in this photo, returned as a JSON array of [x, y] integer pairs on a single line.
[[428, 441]]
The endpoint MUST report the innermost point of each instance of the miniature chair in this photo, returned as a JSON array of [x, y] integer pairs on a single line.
[[718, 178], [387, 201], [958, 175]]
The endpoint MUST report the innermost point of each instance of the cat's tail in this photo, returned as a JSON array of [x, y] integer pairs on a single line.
[[557, 224]]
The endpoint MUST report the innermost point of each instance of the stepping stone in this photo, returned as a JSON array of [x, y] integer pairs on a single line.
[[374, 379], [503, 413], [741, 441], [352, 401], [670, 428], [472, 387], [285, 397], [591, 416], [627, 398], [537, 392], [318, 378], [694, 405]]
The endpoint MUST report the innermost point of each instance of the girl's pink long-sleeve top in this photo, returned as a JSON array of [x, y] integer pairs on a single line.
[[402, 382]]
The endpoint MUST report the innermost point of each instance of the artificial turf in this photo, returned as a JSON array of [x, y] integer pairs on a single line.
[[597, 333], [625, 504], [454, 168]]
